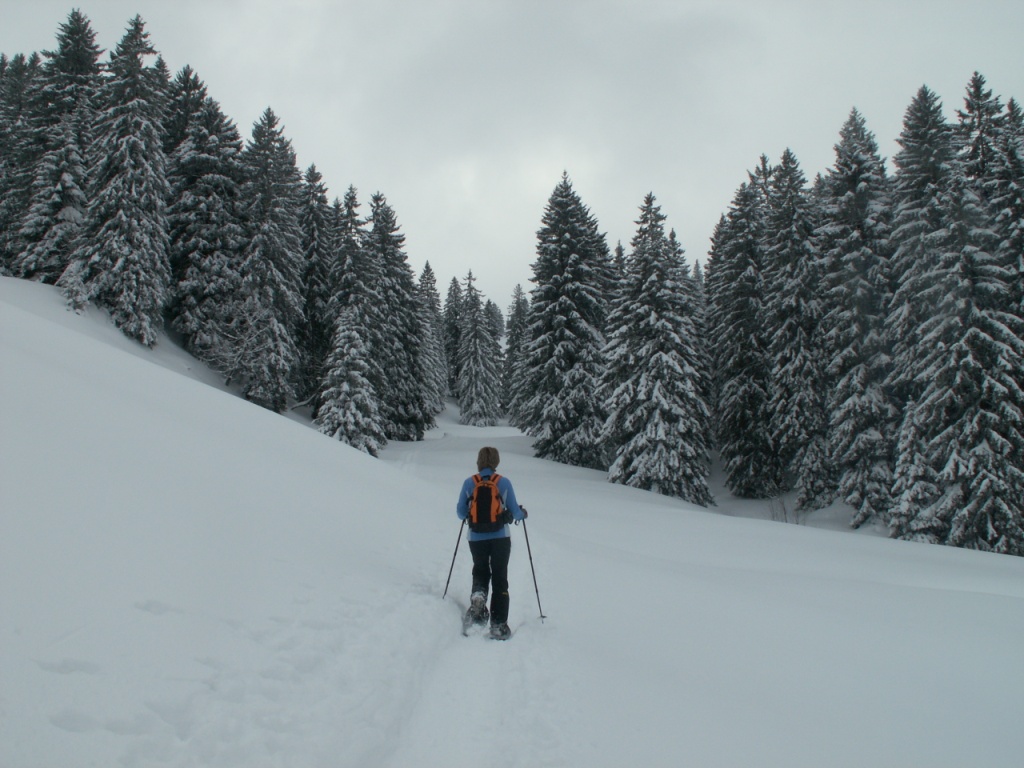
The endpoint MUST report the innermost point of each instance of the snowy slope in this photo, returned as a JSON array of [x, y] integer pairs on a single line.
[[188, 580]]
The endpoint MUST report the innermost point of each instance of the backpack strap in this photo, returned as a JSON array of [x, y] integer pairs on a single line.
[[496, 477], [479, 478]]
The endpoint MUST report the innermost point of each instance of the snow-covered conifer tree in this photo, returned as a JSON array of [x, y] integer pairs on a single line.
[[915, 484], [741, 365], [68, 77], [989, 143], [186, 99], [971, 409], [60, 116], [186, 94], [793, 311], [495, 320], [961, 481], [924, 171], [855, 237], [122, 260], [452, 325], [619, 264], [432, 356], [49, 231], [398, 336], [350, 411], [1006, 197], [653, 389], [977, 135], [317, 330], [924, 168], [702, 341], [480, 362], [208, 234], [512, 370], [356, 279], [18, 151], [354, 276], [269, 309], [564, 356]]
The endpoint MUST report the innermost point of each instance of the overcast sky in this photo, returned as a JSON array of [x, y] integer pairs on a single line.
[[465, 113]]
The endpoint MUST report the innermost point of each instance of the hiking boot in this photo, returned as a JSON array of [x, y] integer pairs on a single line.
[[500, 631], [478, 612]]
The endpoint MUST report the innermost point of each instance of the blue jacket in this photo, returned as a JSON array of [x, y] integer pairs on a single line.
[[508, 497]]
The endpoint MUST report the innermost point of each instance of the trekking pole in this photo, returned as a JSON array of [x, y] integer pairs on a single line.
[[525, 533], [457, 542]]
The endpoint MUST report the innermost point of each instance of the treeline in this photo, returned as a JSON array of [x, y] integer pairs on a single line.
[[133, 191], [867, 331], [858, 337]]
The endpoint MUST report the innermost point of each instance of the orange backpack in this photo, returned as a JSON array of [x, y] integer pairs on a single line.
[[486, 510]]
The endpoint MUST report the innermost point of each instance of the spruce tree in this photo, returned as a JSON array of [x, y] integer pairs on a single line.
[[494, 319], [452, 327], [479, 358], [741, 364], [269, 308], [713, 290], [924, 167], [317, 330], [163, 79], [1006, 196], [432, 357], [495, 322], [398, 337], [207, 231], [186, 95], [915, 483], [971, 409], [354, 276], [122, 261], [855, 238], [69, 75], [960, 479], [356, 280], [989, 148], [702, 341], [512, 370], [50, 228], [350, 411], [924, 171], [186, 98], [793, 311], [18, 152], [977, 135], [564, 359], [653, 389], [619, 262], [60, 108]]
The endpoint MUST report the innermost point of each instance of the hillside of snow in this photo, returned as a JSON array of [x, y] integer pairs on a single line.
[[189, 580]]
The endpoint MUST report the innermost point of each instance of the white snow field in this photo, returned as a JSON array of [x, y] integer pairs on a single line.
[[189, 580]]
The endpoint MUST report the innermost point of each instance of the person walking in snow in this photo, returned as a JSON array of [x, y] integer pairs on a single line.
[[488, 503]]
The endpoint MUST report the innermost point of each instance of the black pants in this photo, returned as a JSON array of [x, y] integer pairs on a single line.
[[490, 566]]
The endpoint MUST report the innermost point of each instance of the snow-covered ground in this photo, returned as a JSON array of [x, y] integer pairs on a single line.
[[189, 580]]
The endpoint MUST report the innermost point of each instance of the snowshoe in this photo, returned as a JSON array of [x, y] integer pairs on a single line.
[[478, 613], [500, 632]]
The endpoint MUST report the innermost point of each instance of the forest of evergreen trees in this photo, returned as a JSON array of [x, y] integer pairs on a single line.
[[858, 337]]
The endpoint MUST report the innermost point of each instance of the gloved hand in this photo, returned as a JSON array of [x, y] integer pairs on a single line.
[[525, 515]]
